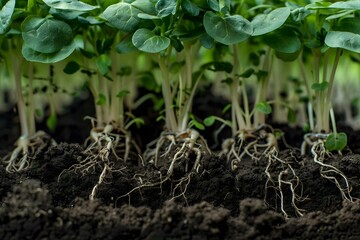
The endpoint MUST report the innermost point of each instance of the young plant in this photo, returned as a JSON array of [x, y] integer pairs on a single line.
[[42, 39], [110, 70], [329, 30], [252, 137], [166, 31]]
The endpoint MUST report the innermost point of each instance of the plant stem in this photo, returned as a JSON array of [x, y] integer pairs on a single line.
[[328, 97], [170, 119]]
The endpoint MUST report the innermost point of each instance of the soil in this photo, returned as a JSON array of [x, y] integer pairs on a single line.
[[51, 201]]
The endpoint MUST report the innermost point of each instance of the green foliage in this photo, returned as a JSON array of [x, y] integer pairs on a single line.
[[70, 5], [227, 29], [263, 107], [71, 67], [345, 40], [147, 41], [320, 86], [265, 23], [6, 16], [103, 63], [336, 141], [45, 35]]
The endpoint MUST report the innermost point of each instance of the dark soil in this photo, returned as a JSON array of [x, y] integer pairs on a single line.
[[51, 201]]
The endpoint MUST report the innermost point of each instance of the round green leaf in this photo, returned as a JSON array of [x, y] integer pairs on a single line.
[[265, 23], [103, 63], [147, 41], [190, 8], [346, 40], [165, 7], [336, 142], [122, 16], [351, 5], [71, 67], [320, 86], [227, 29], [70, 5], [45, 35], [209, 121], [5, 16], [35, 56], [263, 107], [283, 40]]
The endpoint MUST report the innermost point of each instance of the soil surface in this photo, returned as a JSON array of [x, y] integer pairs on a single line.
[[51, 199]]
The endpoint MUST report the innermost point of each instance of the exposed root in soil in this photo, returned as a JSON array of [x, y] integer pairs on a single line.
[[106, 141], [285, 176], [26, 149], [186, 151], [319, 152], [257, 144], [249, 143]]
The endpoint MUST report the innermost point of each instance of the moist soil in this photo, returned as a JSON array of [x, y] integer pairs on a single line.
[[51, 200]]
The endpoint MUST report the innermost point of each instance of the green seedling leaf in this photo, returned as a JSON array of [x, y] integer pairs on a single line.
[[51, 122], [226, 108], [46, 35], [101, 100], [283, 40], [339, 15], [209, 121], [263, 107], [165, 8], [147, 41], [348, 25], [123, 16], [103, 63], [65, 14], [6, 15], [320, 86], [206, 41], [336, 142], [176, 43], [71, 5], [218, 67], [299, 14], [190, 8], [227, 29], [196, 124], [247, 73], [148, 16], [345, 40], [122, 93], [351, 5], [125, 46], [34, 56], [71, 67], [227, 81], [265, 23]]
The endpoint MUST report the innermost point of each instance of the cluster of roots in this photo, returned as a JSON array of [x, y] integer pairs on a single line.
[[27, 148], [176, 156], [106, 150], [253, 144], [260, 144]]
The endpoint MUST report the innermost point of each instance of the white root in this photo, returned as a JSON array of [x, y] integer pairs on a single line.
[[184, 143], [104, 142], [293, 182], [19, 159], [262, 142], [318, 150]]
